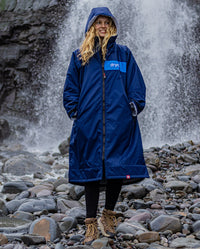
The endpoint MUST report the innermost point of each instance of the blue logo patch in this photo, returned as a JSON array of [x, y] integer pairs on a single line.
[[115, 65]]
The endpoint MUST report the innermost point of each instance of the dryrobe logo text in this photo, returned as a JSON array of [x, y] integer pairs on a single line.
[[115, 65]]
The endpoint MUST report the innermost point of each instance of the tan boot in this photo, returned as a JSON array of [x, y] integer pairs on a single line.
[[107, 223], [92, 232]]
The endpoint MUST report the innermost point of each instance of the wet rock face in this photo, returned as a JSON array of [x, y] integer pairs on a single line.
[[27, 34]]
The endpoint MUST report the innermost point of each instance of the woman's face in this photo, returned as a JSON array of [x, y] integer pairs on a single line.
[[101, 26]]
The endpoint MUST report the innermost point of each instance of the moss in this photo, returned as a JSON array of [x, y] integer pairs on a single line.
[[2, 4]]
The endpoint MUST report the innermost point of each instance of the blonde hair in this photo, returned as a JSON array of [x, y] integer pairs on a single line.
[[87, 48]]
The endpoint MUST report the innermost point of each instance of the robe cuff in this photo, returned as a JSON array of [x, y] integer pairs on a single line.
[[73, 114], [134, 109]]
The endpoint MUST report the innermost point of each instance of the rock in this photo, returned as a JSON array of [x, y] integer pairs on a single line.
[[38, 175], [31, 239], [188, 158], [179, 185], [78, 213], [59, 246], [196, 205], [22, 195], [12, 225], [76, 237], [42, 190], [60, 181], [142, 246], [192, 170], [140, 204], [138, 217], [152, 159], [101, 243], [156, 206], [64, 147], [148, 237], [157, 195], [196, 226], [185, 243], [45, 227], [150, 184], [47, 159], [3, 208], [58, 216], [166, 222], [32, 205], [67, 224], [24, 164], [122, 207], [3, 239], [130, 227], [133, 191], [13, 205], [76, 192], [196, 179], [28, 39], [4, 129], [15, 187], [23, 215], [62, 188], [64, 205]]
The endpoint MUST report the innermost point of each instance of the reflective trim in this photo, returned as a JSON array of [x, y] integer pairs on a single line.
[[115, 65]]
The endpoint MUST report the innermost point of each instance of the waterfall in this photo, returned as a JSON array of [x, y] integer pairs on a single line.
[[161, 36]]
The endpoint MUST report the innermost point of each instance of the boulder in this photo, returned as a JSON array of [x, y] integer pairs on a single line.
[[133, 191], [67, 224], [45, 227], [179, 185], [16, 187], [13, 225], [166, 222], [32, 205], [130, 227], [32, 239], [64, 147], [185, 243], [24, 165]]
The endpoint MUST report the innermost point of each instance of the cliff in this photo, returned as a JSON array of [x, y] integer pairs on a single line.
[[28, 30]]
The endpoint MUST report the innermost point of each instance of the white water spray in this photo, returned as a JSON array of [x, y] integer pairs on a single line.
[[160, 35]]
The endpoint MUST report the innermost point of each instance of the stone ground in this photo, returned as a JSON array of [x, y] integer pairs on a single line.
[[40, 209]]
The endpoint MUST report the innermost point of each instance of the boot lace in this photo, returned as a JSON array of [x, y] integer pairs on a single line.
[[109, 222]]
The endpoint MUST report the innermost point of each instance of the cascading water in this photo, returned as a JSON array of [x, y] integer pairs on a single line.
[[162, 38]]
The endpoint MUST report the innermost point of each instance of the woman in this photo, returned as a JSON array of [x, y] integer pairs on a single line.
[[104, 92]]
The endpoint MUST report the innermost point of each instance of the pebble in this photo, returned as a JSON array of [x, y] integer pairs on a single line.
[[156, 213]]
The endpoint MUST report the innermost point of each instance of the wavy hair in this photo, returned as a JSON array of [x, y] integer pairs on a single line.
[[88, 49]]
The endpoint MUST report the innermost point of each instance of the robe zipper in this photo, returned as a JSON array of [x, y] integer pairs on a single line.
[[104, 129]]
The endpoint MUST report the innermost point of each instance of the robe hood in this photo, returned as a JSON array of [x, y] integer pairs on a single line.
[[100, 11]]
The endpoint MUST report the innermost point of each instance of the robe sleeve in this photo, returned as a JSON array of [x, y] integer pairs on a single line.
[[71, 88], [136, 89]]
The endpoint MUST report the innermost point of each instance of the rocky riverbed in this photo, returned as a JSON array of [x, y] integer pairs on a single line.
[[40, 209]]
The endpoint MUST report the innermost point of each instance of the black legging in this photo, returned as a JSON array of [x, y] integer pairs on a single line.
[[113, 188]]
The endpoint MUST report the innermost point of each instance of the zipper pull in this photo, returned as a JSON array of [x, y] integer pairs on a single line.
[[104, 75]]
